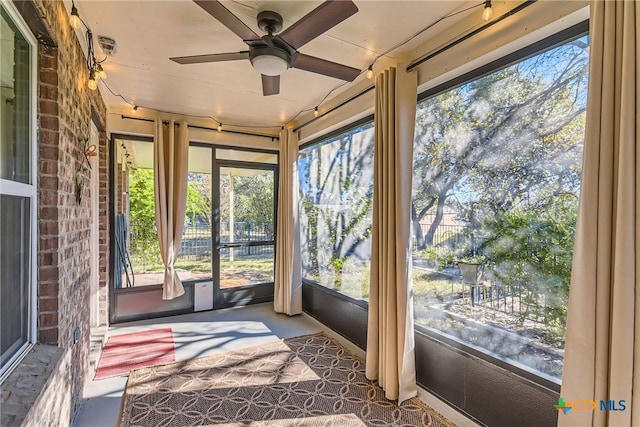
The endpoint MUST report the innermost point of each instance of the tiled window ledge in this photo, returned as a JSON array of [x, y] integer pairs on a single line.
[[25, 384]]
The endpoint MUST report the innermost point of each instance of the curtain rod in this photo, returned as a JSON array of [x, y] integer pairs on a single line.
[[426, 58], [471, 34], [237, 132]]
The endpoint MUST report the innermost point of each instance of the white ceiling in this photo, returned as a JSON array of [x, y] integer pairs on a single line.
[[149, 32]]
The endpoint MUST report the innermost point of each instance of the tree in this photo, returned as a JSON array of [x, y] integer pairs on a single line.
[[336, 181], [511, 137], [532, 251], [142, 214]]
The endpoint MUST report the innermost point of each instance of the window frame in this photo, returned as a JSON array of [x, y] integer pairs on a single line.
[[557, 39], [30, 190]]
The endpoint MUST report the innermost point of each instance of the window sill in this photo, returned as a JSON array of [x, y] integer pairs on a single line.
[[23, 387]]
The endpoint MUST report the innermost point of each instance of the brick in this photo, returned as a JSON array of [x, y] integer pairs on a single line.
[[48, 289], [48, 182], [48, 213], [49, 122], [48, 197], [49, 92], [49, 77], [48, 274], [49, 61], [48, 167], [48, 336], [48, 107], [47, 319], [48, 304], [48, 151]]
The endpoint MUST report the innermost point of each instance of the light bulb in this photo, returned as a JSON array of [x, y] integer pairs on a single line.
[[134, 109], [487, 13], [74, 19], [370, 72], [315, 112], [92, 83], [101, 72], [219, 127]]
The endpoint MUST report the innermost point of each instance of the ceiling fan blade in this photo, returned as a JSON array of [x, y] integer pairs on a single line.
[[228, 19], [327, 68], [270, 85], [214, 57], [322, 18]]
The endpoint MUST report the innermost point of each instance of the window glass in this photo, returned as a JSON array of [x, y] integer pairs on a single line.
[[336, 190], [194, 258], [497, 165], [15, 251], [15, 71]]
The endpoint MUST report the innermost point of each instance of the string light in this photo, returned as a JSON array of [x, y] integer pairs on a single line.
[[92, 83], [100, 72], [94, 66], [74, 20], [370, 72], [134, 109], [487, 13], [315, 112]]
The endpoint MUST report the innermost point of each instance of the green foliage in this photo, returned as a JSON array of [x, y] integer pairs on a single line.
[[532, 252], [144, 236], [253, 197], [439, 256], [144, 246], [471, 259]]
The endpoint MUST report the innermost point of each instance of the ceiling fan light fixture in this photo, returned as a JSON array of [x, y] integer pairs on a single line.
[[270, 61]]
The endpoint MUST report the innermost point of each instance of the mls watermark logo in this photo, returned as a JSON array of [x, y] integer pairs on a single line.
[[579, 405]]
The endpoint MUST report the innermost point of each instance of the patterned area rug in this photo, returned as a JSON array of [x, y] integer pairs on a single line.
[[303, 381]]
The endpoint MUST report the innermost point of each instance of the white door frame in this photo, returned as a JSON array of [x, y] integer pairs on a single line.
[[94, 284]]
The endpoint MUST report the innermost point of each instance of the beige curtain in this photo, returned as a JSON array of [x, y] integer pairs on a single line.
[[390, 341], [170, 162], [602, 357], [287, 296]]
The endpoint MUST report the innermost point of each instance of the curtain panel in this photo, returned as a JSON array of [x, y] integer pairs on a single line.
[[170, 163], [602, 357], [287, 296], [390, 341]]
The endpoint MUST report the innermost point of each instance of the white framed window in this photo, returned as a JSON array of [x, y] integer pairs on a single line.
[[18, 191]]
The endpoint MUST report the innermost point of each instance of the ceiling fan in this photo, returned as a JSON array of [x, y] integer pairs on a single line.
[[272, 54]]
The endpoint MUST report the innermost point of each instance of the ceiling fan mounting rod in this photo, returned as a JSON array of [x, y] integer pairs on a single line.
[[269, 21]]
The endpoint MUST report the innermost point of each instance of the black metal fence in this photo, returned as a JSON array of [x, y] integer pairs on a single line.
[[446, 242], [197, 240]]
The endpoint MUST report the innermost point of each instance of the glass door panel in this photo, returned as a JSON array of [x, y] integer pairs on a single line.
[[245, 222]]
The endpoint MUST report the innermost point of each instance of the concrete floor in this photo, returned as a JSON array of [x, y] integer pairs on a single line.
[[211, 332]]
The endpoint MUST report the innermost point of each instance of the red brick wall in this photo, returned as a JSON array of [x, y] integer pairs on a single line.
[[65, 107]]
